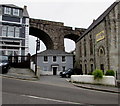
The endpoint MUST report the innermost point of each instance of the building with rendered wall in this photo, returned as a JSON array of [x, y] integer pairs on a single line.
[[51, 62], [14, 30], [98, 47]]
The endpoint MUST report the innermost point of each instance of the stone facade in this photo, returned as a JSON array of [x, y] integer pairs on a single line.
[[98, 47], [53, 33]]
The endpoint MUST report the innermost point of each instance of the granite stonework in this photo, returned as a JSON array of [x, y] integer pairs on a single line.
[[53, 33], [104, 33]]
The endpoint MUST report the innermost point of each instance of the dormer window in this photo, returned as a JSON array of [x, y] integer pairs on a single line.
[[7, 10], [16, 12]]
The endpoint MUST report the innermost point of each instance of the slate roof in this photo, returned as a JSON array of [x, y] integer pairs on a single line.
[[10, 5], [99, 19], [54, 52], [25, 12]]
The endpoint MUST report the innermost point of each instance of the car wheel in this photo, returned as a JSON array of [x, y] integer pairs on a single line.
[[67, 75]]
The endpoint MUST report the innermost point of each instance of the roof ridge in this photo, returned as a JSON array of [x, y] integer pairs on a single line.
[[11, 5], [99, 19]]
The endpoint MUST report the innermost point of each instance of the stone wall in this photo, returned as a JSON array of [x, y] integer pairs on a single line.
[[105, 42], [53, 33]]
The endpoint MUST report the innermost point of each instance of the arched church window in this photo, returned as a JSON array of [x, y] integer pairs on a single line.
[[101, 51]]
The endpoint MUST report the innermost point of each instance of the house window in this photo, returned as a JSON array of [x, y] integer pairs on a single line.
[[80, 66], [102, 67], [54, 58], [101, 51], [17, 32], [15, 53], [85, 69], [63, 58], [85, 47], [80, 49], [16, 12], [91, 67], [10, 53], [45, 58], [3, 52], [4, 30], [11, 31], [91, 45], [7, 10]]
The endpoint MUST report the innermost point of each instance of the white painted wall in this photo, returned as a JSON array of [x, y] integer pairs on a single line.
[[0, 18], [27, 36], [32, 67], [106, 80]]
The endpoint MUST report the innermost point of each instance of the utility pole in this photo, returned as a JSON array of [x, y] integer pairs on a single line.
[[37, 48]]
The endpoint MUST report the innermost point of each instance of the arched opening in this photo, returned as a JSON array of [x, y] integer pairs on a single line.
[[42, 36], [32, 45], [72, 37], [101, 51], [45, 40], [69, 45], [69, 42]]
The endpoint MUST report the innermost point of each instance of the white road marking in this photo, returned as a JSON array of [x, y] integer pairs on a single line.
[[49, 99]]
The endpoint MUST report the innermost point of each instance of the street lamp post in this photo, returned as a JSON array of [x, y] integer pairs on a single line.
[[37, 48]]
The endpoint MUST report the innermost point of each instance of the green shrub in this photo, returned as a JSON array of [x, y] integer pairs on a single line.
[[110, 73], [98, 74]]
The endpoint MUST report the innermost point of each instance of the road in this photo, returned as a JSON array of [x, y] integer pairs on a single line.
[[51, 90]]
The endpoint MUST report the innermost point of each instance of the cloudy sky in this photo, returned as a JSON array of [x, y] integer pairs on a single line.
[[74, 13]]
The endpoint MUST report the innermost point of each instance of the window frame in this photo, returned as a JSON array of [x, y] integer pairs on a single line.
[[17, 32], [64, 59], [45, 59], [11, 30], [16, 12], [54, 58], [4, 30], [7, 10]]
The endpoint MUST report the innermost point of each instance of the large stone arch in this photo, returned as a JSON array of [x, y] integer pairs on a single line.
[[42, 36], [71, 36], [53, 33]]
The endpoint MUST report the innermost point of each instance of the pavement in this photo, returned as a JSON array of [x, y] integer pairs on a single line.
[[99, 87], [20, 73], [27, 74]]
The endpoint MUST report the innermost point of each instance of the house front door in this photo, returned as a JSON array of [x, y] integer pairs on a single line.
[[55, 70]]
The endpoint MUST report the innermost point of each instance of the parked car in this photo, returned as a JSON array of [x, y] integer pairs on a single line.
[[4, 64], [70, 71], [67, 73]]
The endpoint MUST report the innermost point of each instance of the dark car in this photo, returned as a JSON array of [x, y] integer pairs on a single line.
[[67, 73], [4, 64]]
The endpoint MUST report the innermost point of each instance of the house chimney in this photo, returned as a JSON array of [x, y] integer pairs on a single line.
[[25, 7], [94, 20]]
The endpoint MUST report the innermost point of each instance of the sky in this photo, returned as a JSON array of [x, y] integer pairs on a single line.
[[73, 13]]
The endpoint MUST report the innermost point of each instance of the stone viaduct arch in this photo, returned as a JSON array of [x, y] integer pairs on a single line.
[[53, 33]]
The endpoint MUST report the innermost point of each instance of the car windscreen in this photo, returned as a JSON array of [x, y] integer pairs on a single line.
[[3, 58]]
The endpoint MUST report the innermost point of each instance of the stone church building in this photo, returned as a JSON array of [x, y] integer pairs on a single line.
[[98, 47]]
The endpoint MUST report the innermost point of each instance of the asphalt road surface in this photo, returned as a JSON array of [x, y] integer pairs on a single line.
[[51, 90]]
